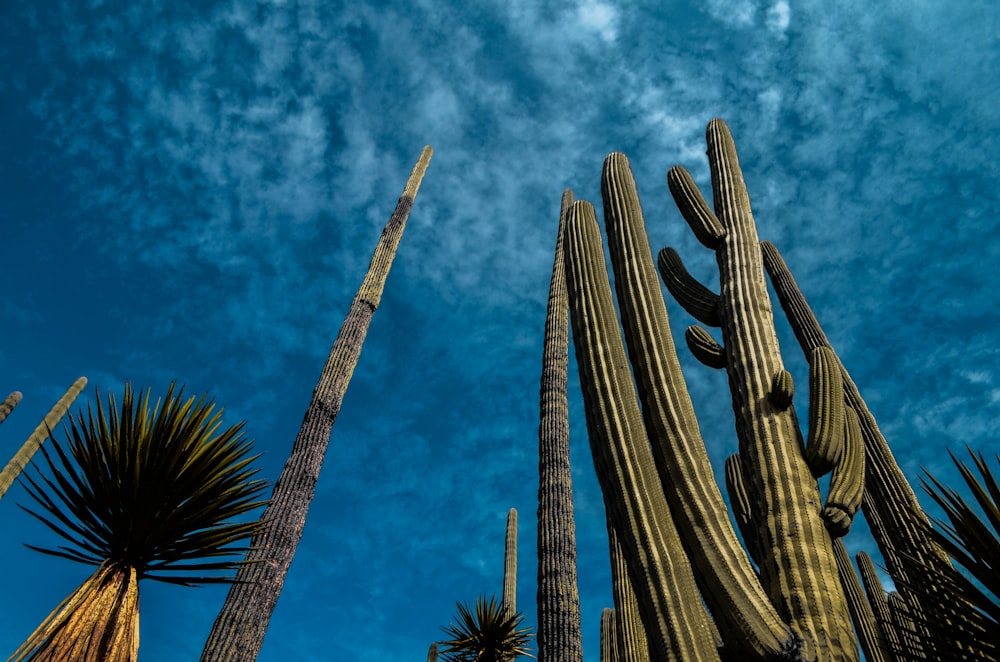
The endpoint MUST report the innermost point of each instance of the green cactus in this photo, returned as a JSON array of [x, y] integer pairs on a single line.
[[432, 653], [914, 560], [558, 603], [798, 568], [8, 405], [725, 576], [20, 460], [609, 641], [676, 625], [510, 565], [879, 602], [865, 624], [239, 629], [631, 644]]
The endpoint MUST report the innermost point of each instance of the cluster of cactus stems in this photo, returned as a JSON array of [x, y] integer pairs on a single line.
[[684, 586]]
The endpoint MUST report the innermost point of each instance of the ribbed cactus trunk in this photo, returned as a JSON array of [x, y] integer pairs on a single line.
[[798, 568], [239, 629], [20, 460], [609, 637], [510, 565], [677, 624], [559, 634], [8, 405], [895, 517]]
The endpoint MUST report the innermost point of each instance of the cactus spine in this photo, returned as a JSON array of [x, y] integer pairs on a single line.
[[20, 460], [559, 634], [238, 631]]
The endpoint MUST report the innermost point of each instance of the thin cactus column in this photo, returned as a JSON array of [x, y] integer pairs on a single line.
[[39, 435], [609, 641], [239, 629], [432, 653], [510, 565], [8, 405], [558, 602]]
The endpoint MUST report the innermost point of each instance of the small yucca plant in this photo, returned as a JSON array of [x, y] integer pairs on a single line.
[[487, 634], [144, 492]]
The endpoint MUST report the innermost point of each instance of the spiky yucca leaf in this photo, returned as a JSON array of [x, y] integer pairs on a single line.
[[971, 540], [150, 487], [486, 634]]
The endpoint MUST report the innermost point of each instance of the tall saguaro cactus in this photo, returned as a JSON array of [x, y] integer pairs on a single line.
[[798, 569], [559, 634], [239, 629]]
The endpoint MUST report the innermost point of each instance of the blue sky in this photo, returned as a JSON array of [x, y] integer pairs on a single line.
[[193, 191]]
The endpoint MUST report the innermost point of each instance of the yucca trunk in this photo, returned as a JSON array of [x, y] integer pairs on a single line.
[[98, 622], [559, 634], [239, 629]]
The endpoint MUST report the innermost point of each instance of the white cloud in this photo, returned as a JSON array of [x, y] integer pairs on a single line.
[[778, 16], [599, 17]]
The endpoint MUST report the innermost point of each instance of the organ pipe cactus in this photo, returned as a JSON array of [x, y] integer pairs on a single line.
[[676, 625], [558, 602]]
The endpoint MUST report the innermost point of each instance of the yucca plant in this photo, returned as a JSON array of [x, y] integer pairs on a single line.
[[147, 491], [970, 534], [486, 634]]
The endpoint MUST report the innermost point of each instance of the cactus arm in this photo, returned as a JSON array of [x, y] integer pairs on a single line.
[[869, 635], [559, 634], [800, 571], [782, 390], [34, 441], [704, 347], [8, 405], [847, 484], [699, 301], [432, 653], [702, 220], [897, 522], [726, 578], [826, 412], [675, 620]]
